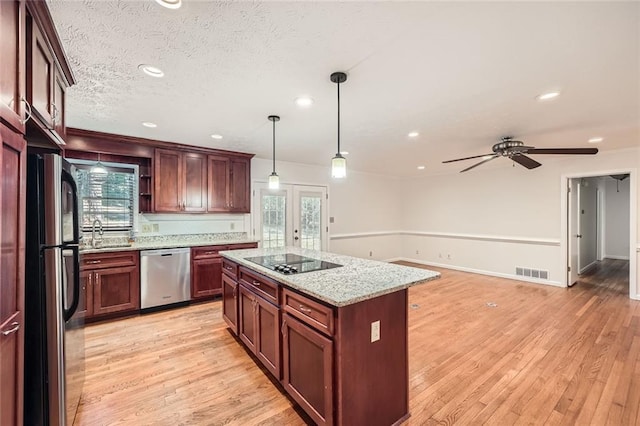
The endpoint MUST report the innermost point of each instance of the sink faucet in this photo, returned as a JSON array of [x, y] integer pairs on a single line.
[[93, 232]]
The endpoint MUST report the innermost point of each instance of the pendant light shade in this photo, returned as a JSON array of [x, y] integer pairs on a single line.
[[338, 163], [274, 179], [98, 168]]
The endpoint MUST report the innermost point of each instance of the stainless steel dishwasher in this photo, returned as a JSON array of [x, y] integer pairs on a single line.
[[165, 277]]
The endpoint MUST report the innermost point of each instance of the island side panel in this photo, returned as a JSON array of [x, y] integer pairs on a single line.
[[372, 378]]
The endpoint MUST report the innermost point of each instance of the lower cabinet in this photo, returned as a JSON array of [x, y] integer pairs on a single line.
[[259, 328], [206, 272], [307, 369], [230, 302], [109, 283]]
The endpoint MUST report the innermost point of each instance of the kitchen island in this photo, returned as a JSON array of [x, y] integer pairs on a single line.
[[332, 330]]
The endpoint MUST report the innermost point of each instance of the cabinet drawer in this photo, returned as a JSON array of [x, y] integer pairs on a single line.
[[230, 268], [308, 311], [108, 260], [243, 246], [260, 285], [206, 252]]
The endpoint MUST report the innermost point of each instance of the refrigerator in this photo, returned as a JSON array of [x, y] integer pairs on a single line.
[[54, 334]]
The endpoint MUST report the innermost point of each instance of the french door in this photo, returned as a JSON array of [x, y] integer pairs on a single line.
[[293, 215]]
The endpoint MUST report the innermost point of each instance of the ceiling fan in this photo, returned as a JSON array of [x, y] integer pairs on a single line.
[[516, 150]]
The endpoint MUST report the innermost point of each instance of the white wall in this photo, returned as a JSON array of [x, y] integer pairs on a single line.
[[493, 220], [588, 223], [616, 244], [365, 207]]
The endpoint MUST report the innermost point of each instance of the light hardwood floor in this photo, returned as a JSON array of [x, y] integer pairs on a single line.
[[543, 355]]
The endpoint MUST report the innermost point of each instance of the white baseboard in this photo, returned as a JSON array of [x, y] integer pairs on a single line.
[[614, 257], [589, 266], [482, 272]]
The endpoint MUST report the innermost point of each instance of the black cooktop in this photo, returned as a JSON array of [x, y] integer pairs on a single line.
[[289, 263]]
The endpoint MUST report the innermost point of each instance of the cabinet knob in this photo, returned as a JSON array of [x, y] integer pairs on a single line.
[[256, 283], [304, 309]]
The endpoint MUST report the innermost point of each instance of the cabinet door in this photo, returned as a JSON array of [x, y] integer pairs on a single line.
[[195, 182], [85, 301], [240, 181], [308, 369], [12, 214], [219, 173], [206, 277], [12, 52], [230, 303], [58, 106], [268, 339], [40, 70], [116, 290], [168, 180], [247, 321]]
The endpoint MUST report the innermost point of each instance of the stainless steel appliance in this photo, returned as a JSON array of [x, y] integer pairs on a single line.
[[54, 334], [165, 277], [290, 263]]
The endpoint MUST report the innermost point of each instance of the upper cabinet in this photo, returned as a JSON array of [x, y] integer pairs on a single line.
[[47, 75], [12, 64], [229, 184], [181, 181]]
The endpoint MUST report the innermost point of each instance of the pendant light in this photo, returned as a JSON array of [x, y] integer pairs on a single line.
[[98, 168], [338, 163], [274, 179]]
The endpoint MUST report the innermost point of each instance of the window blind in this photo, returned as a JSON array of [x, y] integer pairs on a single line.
[[107, 197]]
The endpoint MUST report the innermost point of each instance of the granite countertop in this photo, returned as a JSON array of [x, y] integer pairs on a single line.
[[357, 280], [111, 244]]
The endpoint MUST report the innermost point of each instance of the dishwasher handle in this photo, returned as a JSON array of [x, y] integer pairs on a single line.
[[166, 254]]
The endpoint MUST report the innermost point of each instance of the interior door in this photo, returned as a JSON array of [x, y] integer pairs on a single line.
[[573, 219]]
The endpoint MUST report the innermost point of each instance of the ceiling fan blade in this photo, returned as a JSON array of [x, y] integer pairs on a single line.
[[563, 151], [467, 158], [523, 160], [482, 162]]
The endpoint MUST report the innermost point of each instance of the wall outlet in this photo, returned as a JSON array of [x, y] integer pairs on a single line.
[[146, 228], [449, 256], [440, 255], [417, 251], [375, 331], [233, 226], [156, 227]]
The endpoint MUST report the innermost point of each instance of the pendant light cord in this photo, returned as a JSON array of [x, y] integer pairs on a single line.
[[274, 146], [338, 117]]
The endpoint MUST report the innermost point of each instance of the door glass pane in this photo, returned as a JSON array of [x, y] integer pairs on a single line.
[[273, 220], [310, 233]]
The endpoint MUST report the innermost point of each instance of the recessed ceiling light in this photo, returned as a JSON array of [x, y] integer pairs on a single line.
[[149, 124], [304, 101], [421, 167], [344, 152], [216, 136], [548, 96], [595, 140], [413, 134], [150, 70], [170, 4]]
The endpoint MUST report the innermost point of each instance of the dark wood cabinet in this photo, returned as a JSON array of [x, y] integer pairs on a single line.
[[58, 114], [41, 67], [206, 272], [219, 173], [247, 317], [180, 181], [308, 369], [12, 240], [13, 64], [110, 283], [230, 302], [239, 186]]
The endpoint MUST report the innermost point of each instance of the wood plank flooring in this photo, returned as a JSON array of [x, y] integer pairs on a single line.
[[543, 355]]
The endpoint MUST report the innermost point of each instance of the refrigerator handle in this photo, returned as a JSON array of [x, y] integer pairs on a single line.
[[68, 313], [66, 177]]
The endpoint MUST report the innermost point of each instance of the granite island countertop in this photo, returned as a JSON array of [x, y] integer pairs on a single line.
[[112, 244], [357, 280]]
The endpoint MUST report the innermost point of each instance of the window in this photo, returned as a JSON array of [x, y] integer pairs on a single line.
[[110, 197]]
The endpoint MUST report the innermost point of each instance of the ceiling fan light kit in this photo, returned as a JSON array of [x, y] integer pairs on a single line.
[[274, 179], [516, 150], [338, 163]]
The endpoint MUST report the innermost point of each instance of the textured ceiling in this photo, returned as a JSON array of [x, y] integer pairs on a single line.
[[461, 74]]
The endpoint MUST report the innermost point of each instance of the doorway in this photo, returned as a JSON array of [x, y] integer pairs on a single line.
[[599, 226], [293, 215]]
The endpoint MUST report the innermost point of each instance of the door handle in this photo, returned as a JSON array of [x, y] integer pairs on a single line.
[[296, 238], [16, 327], [579, 236]]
